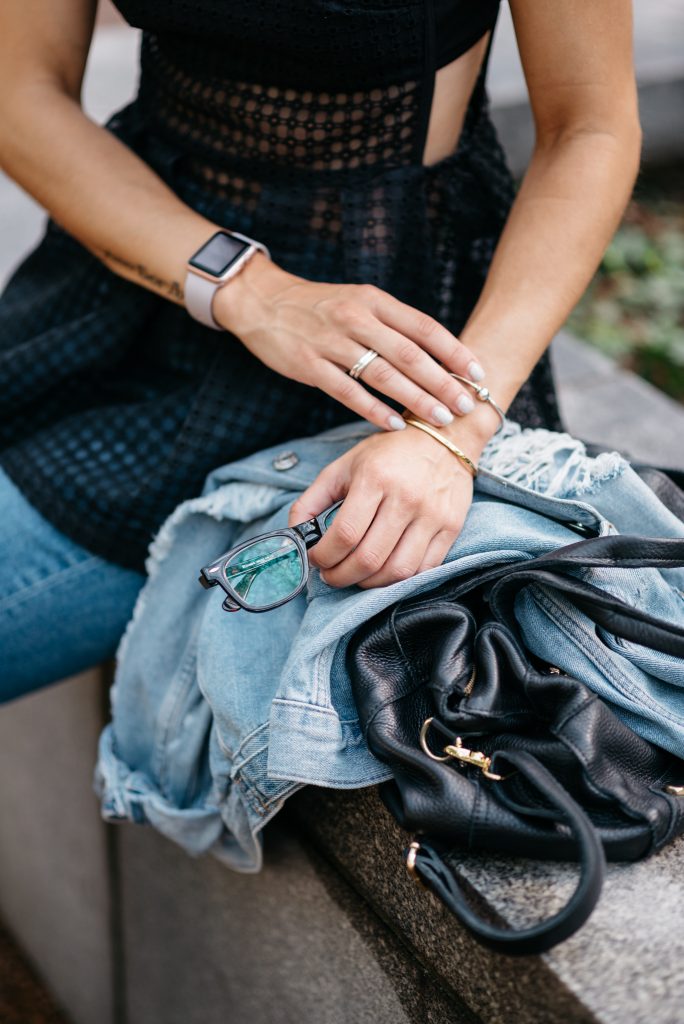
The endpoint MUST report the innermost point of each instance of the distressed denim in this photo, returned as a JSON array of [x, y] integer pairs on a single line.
[[218, 718]]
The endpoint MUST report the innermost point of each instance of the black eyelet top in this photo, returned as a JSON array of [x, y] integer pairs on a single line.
[[459, 24], [298, 122]]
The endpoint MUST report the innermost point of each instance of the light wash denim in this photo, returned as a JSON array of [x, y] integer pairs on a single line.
[[62, 609], [218, 718]]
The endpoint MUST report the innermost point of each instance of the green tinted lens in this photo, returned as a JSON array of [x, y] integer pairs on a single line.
[[267, 571], [330, 516]]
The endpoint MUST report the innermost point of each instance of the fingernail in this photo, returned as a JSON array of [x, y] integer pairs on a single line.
[[442, 414], [396, 422], [464, 403], [475, 371]]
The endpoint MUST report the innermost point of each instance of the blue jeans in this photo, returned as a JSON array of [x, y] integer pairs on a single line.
[[62, 609]]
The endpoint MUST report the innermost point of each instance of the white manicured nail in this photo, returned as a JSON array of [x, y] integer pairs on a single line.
[[465, 403], [442, 414], [475, 371], [396, 423]]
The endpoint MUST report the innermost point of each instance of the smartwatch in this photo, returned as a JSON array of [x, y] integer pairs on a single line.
[[219, 259]]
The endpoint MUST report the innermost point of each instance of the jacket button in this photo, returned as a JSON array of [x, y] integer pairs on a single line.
[[285, 460]]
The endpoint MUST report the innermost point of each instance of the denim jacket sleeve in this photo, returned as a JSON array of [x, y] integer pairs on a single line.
[[217, 719]]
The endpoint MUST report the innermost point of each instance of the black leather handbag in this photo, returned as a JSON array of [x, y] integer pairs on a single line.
[[493, 750]]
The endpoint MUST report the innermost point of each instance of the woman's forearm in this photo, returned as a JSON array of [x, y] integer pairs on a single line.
[[567, 209], [98, 189], [568, 206]]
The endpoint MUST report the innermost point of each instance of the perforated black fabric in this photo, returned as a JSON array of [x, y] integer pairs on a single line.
[[303, 125]]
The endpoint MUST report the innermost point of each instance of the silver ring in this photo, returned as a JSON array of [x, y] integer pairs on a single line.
[[358, 368]]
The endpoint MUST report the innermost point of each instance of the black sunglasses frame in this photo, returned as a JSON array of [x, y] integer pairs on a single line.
[[304, 535]]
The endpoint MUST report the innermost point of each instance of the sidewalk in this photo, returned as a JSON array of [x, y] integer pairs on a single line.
[[23, 999]]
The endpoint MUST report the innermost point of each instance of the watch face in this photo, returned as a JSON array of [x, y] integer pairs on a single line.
[[219, 253]]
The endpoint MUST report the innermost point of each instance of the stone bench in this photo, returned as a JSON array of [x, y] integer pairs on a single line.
[[125, 928]]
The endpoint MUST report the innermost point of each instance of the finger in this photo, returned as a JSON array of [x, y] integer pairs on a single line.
[[428, 333], [330, 485], [425, 386], [349, 526], [437, 550], [340, 386], [374, 548], [407, 556], [382, 375]]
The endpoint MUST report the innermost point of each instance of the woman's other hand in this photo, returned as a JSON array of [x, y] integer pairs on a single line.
[[313, 332], [406, 498]]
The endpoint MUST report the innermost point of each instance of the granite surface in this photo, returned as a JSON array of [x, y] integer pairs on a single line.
[[55, 884], [23, 1000], [623, 965], [292, 945], [602, 403]]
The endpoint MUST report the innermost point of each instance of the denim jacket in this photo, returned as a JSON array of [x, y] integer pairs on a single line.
[[217, 718]]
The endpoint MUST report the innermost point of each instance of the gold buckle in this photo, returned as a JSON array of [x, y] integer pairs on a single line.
[[476, 757], [458, 752]]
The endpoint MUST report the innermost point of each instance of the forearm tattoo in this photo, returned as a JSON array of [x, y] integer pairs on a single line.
[[171, 288]]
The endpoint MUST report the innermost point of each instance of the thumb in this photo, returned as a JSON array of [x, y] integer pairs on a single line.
[[330, 485]]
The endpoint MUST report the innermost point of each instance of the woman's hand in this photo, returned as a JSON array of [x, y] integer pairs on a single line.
[[314, 332], [406, 498]]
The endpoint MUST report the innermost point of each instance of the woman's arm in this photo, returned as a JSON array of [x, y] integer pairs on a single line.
[[89, 181], [406, 504], [577, 58], [109, 199]]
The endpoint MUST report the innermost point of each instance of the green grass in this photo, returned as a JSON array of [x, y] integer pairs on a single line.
[[633, 310]]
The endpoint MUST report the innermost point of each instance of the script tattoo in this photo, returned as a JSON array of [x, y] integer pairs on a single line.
[[171, 288]]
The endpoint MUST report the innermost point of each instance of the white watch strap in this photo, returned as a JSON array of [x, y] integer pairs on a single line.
[[199, 294], [199, 291]]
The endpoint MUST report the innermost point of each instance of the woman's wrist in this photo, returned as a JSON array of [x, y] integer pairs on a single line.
[[470, 439], [473, 431], [240, 299], [422, 445]]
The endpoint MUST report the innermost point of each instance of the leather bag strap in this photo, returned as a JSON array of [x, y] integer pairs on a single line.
[[612, 613], [437, 876], [619, 551]]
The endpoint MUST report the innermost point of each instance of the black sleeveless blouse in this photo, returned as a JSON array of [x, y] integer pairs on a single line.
[[301, 123]]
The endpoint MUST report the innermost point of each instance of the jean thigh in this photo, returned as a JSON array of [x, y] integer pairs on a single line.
[[62, 609]]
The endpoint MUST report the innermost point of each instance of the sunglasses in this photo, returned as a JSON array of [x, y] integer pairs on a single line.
[[268, 570]]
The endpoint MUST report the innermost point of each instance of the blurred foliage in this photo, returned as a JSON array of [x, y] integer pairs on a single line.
[[633, 310]]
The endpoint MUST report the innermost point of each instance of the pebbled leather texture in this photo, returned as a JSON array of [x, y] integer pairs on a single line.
[[582, 780]]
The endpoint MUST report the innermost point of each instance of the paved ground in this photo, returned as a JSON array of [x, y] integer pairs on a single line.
[[602, 403], [22, 998]]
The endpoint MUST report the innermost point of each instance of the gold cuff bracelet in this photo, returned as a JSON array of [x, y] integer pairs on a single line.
[[434, 432]]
